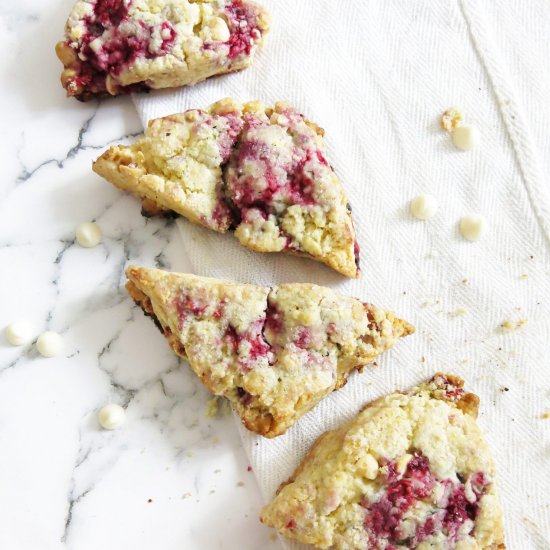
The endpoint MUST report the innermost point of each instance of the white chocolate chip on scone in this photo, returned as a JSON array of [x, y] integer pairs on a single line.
[[412, 470], [122, 46]]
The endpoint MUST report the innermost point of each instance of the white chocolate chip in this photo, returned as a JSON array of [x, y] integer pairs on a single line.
[[96, 45], [367, 466], [88, 234], [219, 30], [472, 227], [403, 462], [19, 333], [111, 416], [49, 344], [465, 137], [423, 207]]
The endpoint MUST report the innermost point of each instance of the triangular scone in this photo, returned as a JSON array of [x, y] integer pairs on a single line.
[[122, 46], [412, 470], [287, 194], [261, 171], [176, 167], [273, 352]]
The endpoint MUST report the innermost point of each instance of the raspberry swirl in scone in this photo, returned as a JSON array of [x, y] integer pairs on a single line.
[[273, 352], [261, 171], [120, 46], [286, 193], [412, 470]]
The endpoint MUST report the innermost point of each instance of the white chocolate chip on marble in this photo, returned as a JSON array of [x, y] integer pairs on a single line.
[[465, 137], [423, 207], [88, 234], [472, 227], [49, 344], [19, 333], [111, 416]]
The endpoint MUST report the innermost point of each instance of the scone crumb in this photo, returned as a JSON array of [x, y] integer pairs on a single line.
[[212, 408], [217, 407], [273, 537], [510, 325], [240, 483], [451, 119], [545, 415], [524, 276], [458, 312], [186, 495]]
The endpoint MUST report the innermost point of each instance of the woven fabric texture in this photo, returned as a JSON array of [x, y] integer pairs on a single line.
[[377, 76]]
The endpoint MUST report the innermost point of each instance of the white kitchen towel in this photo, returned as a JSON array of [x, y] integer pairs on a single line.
[[377, 75]]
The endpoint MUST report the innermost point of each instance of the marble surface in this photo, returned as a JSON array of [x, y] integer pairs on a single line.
[[171, 478]]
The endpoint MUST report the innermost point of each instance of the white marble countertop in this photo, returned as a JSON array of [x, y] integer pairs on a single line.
[[171, 478]]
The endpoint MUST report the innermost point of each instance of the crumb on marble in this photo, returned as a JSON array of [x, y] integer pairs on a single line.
[[212, 408], [249, 468], [273, 537], [504, 389], [465, 281], [215, 440], [217, 406], [423, 359], [451, 119], [545, 415], [212, 491], [186, 495], [524, 276], [240, 483], [217, 471], [149, 500]]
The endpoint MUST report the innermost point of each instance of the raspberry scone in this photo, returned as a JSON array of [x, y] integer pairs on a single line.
[[412, 470], [121, 46], [273, 352], [176, 167], [260, 171]]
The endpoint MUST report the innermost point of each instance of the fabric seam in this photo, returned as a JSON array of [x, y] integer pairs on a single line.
[[508, 106]]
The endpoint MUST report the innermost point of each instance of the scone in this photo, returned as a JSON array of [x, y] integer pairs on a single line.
[[176, 167], [260, 171], [273, 352], [121, 46], [412, 470]]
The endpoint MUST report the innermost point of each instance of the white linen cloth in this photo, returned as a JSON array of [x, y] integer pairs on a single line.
[[377, 76]]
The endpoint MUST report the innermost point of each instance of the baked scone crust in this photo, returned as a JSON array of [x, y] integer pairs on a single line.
[[258, 170], [273, 352], [177, 165], [412, 470], [121, 46]]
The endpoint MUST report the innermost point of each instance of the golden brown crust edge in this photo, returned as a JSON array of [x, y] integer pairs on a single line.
[[257, 419], [468, 403]]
